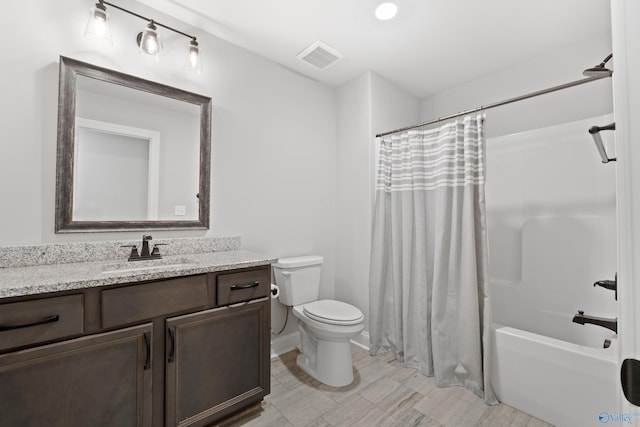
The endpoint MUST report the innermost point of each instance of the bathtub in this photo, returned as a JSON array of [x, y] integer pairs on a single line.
[[560, 382]]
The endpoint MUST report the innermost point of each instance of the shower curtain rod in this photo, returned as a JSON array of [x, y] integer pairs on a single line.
[[498, 104]]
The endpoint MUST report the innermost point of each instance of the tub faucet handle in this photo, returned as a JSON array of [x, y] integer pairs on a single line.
[[612, 285]]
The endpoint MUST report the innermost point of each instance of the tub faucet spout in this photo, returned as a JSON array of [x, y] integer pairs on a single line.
[[583, 319]]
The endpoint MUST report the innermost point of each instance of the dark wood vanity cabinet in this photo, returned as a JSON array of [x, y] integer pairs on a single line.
[[217, 360], [187, 351], [96, 380]]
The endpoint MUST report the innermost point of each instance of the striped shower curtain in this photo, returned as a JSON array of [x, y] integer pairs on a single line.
[[428, 274]]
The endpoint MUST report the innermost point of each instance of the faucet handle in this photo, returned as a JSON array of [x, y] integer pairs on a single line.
[[146, 237], [156, 250], [134, 252]]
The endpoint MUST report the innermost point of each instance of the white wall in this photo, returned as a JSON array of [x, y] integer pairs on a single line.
[[273, 143], [365, 105], [353, 161], [111, 176], [555, 68]]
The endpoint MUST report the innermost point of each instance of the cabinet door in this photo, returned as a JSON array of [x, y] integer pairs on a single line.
[[97, 380], [217, 362]]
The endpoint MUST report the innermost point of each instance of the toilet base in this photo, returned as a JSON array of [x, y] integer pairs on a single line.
[[328, 361]]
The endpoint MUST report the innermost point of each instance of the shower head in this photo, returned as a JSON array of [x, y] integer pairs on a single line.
[[599, 70]]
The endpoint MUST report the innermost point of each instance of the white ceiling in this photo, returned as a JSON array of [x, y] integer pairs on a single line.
[[429, 46]]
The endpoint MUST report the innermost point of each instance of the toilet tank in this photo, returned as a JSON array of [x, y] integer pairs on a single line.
[[298, 279]]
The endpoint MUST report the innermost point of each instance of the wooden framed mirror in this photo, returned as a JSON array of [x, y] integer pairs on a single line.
[[132, 154]]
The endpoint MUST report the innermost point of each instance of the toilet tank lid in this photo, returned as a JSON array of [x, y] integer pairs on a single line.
[[300, 261]]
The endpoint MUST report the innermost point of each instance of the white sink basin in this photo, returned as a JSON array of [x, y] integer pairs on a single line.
[[147, 265]]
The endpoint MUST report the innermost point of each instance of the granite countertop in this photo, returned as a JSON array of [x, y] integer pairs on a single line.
[[37, 279]]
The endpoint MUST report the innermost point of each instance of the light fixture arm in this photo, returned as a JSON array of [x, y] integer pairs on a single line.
[[147, 19]]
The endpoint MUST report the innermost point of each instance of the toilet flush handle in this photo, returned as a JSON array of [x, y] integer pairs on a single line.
[[286, 273]]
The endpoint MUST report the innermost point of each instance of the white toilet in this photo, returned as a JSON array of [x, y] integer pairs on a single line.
[[325, 326]]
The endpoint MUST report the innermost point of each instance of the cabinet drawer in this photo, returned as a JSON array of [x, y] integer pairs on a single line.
[[140, 302], [242, 286], [30, 322]]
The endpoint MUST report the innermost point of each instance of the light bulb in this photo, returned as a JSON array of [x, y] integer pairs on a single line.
[[193, 61], [149, 40], [98, 24]]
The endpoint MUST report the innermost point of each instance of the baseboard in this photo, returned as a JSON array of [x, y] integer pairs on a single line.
[[284, 343], [362, 340]]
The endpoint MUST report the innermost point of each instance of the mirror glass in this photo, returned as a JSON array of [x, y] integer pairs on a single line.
[[132, 154]]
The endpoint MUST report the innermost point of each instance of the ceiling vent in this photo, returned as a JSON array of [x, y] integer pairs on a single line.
[[320, 55]]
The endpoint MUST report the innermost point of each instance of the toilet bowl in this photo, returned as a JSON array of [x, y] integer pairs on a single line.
[[326, 326], [325, 340]]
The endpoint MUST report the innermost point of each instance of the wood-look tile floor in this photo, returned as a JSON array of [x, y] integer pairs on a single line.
[[383, 393]]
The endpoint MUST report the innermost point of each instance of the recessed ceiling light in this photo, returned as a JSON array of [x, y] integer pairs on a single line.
[[386, 11]]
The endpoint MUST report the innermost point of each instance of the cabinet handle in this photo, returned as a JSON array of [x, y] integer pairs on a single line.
[[247, 286], [48, 319], [147, 344], [172, 339]]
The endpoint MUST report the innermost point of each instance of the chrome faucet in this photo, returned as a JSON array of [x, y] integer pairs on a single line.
[[583, 319]]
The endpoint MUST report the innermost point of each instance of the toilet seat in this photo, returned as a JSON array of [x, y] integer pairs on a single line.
[[333, 312]]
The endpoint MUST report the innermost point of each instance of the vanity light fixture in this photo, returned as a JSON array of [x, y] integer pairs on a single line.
[[149, 40]]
